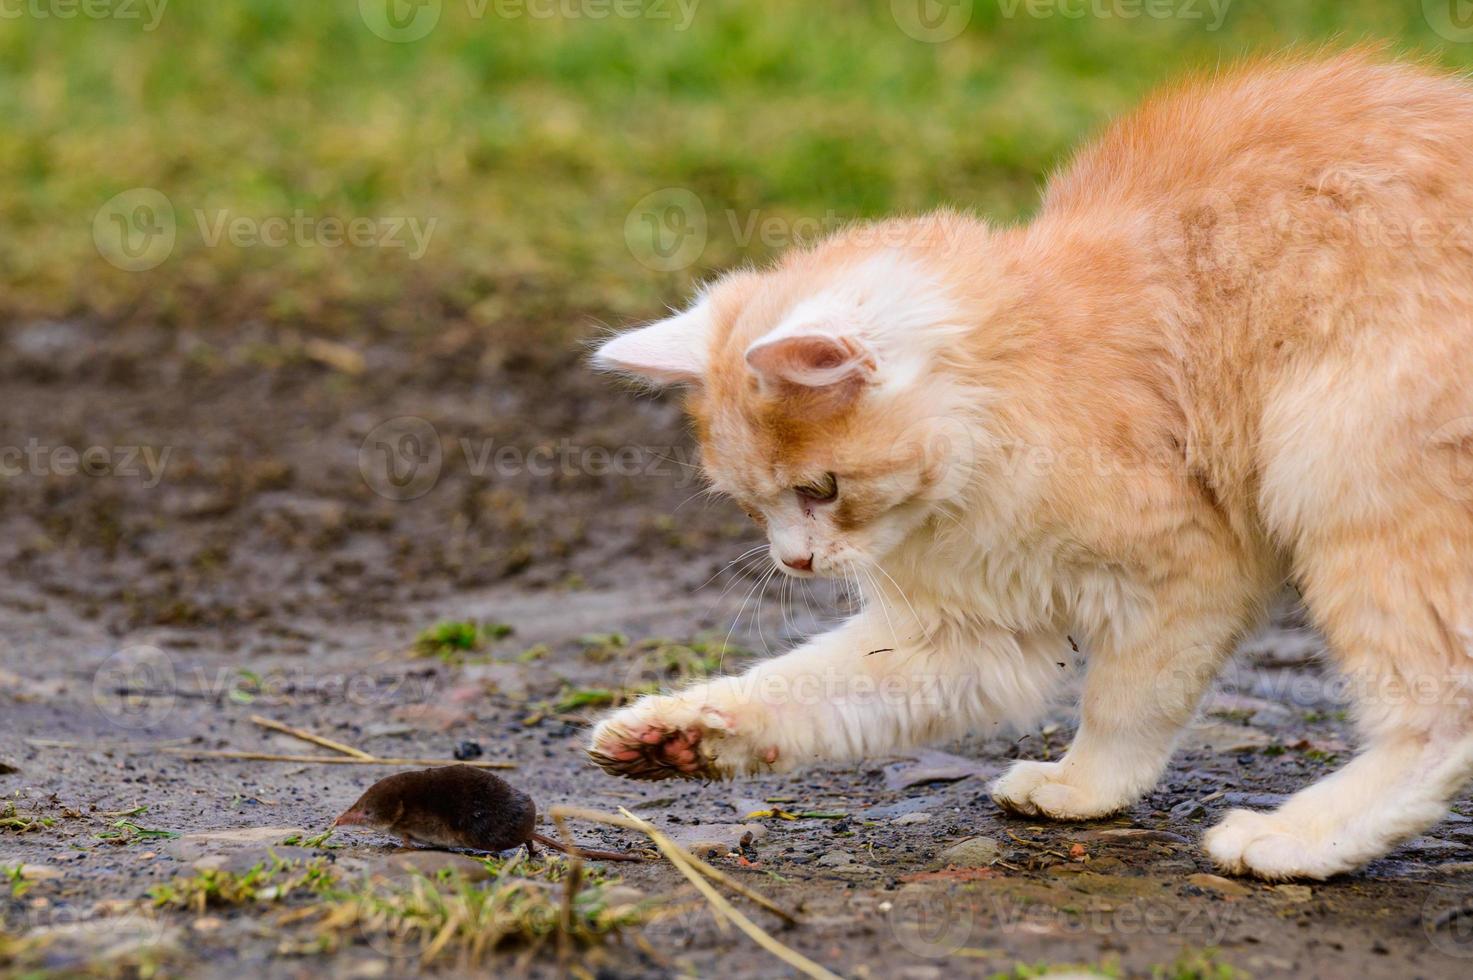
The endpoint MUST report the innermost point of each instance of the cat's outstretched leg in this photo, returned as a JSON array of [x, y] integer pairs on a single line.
[[1141, 687], [852, 693]]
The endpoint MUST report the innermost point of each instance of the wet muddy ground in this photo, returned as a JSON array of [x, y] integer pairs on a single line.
[[198, 529]]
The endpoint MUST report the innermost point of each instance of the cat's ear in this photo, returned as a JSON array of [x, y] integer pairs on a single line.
[[812, 360], [672, 351]]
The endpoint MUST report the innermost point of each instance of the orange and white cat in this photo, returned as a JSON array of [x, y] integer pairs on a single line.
[[1233, 350]]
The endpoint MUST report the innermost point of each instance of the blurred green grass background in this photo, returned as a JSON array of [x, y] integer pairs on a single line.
[[530, 140]]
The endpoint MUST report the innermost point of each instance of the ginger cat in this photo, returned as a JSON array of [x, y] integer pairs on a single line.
[[1233, 350]]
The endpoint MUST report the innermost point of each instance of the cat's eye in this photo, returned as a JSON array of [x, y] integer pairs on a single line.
[[822, 491]]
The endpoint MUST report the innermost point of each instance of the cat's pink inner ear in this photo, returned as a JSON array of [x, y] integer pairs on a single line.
[[810, 360], [670, 352]]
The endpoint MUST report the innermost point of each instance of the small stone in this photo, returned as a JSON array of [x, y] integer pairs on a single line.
[[973, 852], [836, 859], [911, 818], [935, 767], [468, 750], [1218, 884], [1295, 893], [714, 840], [208, 923], [1254, 801]]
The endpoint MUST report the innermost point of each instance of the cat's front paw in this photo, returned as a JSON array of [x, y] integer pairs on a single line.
[[687, 736], [1045, 789]]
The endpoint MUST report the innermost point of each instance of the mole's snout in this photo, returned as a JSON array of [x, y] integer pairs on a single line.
[[350, 818]]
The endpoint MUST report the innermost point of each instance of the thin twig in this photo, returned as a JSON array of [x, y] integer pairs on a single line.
[[1037, 846], [693, 869], [307, 736], [560, 815], [656, 835], [334, 760]]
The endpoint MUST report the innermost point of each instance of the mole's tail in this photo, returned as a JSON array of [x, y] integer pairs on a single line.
[[582, 852]]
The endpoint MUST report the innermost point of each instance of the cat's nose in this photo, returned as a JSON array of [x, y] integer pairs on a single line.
[[800, 564]]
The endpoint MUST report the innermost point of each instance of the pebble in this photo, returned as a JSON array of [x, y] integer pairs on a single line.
[[713, 840], [1295, 893], [935, 767], [468, 750], [835, 859], [1219, 884], [973, 852], [911, 818]]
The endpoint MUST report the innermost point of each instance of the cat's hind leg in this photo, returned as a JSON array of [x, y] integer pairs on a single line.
[[1383, 542], [1397, 787], [1398, 618]]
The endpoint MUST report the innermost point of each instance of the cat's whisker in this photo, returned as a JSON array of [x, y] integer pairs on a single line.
[[760, 583], [742, 574], [884, 608], [710, 493], [757, 611], [915, 616], [744, 555], [678, 462]]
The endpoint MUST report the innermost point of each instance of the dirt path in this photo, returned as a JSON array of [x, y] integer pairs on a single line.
[[265, 568]]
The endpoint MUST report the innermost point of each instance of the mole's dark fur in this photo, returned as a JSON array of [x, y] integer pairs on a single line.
[[455, 806]]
